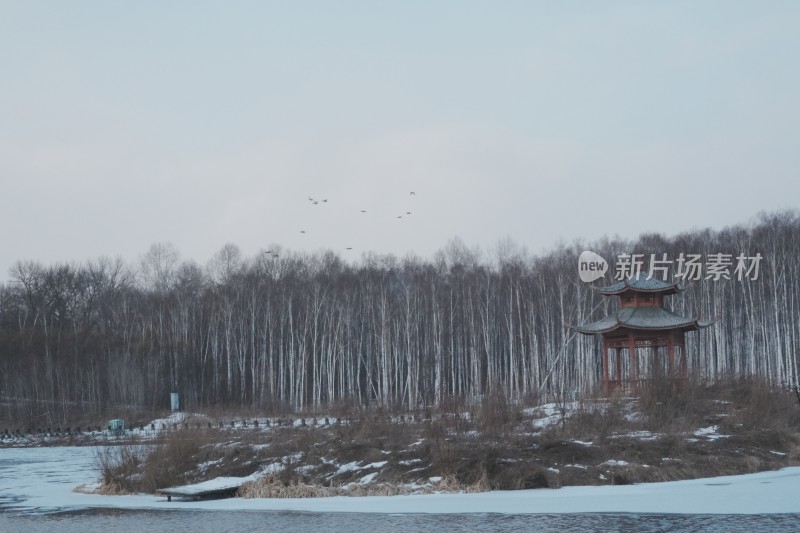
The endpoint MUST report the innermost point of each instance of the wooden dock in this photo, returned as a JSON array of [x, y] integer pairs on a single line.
[[221, 487]]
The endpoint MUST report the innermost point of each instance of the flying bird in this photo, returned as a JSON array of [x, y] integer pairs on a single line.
[[412, 193], [363, 211], [350, 248], [408, 212], [302, 231]]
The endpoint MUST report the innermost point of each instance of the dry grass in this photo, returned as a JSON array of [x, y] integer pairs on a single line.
[[119, 468], [274, 487], [173, 460], [492, 445], [596, 419]]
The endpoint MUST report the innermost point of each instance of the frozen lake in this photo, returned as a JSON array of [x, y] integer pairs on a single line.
[[36, 495]]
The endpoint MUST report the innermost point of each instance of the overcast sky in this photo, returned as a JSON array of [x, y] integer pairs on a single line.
[[200, 123]]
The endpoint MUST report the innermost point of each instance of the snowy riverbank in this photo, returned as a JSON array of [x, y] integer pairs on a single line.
[[43, 479]]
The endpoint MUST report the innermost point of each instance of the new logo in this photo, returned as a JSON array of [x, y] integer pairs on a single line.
[[591, 266]]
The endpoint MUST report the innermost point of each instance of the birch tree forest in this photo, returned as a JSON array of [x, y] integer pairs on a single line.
[[295, 331]]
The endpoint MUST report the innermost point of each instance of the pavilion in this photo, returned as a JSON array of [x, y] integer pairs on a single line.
[[642, 340]]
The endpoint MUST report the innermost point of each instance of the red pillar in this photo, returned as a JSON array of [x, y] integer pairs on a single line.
[[671, 354], [633, 377], [684, 366], [605, 365]]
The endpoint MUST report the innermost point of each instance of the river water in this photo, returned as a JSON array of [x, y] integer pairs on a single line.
[[245, 521], [36, 496]]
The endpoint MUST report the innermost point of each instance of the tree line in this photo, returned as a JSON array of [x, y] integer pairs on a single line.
[[302, 331]]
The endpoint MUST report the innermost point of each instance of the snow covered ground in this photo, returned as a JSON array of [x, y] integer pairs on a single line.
[[43, 479]]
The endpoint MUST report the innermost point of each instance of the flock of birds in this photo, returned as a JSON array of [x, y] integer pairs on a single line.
[[314, 201]]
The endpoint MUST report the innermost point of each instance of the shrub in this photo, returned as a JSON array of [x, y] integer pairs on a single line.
[[496, 416], [173, 461], [119, 468]]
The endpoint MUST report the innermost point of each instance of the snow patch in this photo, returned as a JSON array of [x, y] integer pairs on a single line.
[[368, 478], [208, 464], [550, 413], [639, 435], [349, 467], [272, 468], [614, 462], [710, 433], [582, 467]]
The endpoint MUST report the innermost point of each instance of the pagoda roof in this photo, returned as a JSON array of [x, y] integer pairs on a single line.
[[641, 283], [647, 318]]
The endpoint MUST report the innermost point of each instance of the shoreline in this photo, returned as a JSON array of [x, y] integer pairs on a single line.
[[53, 473]]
